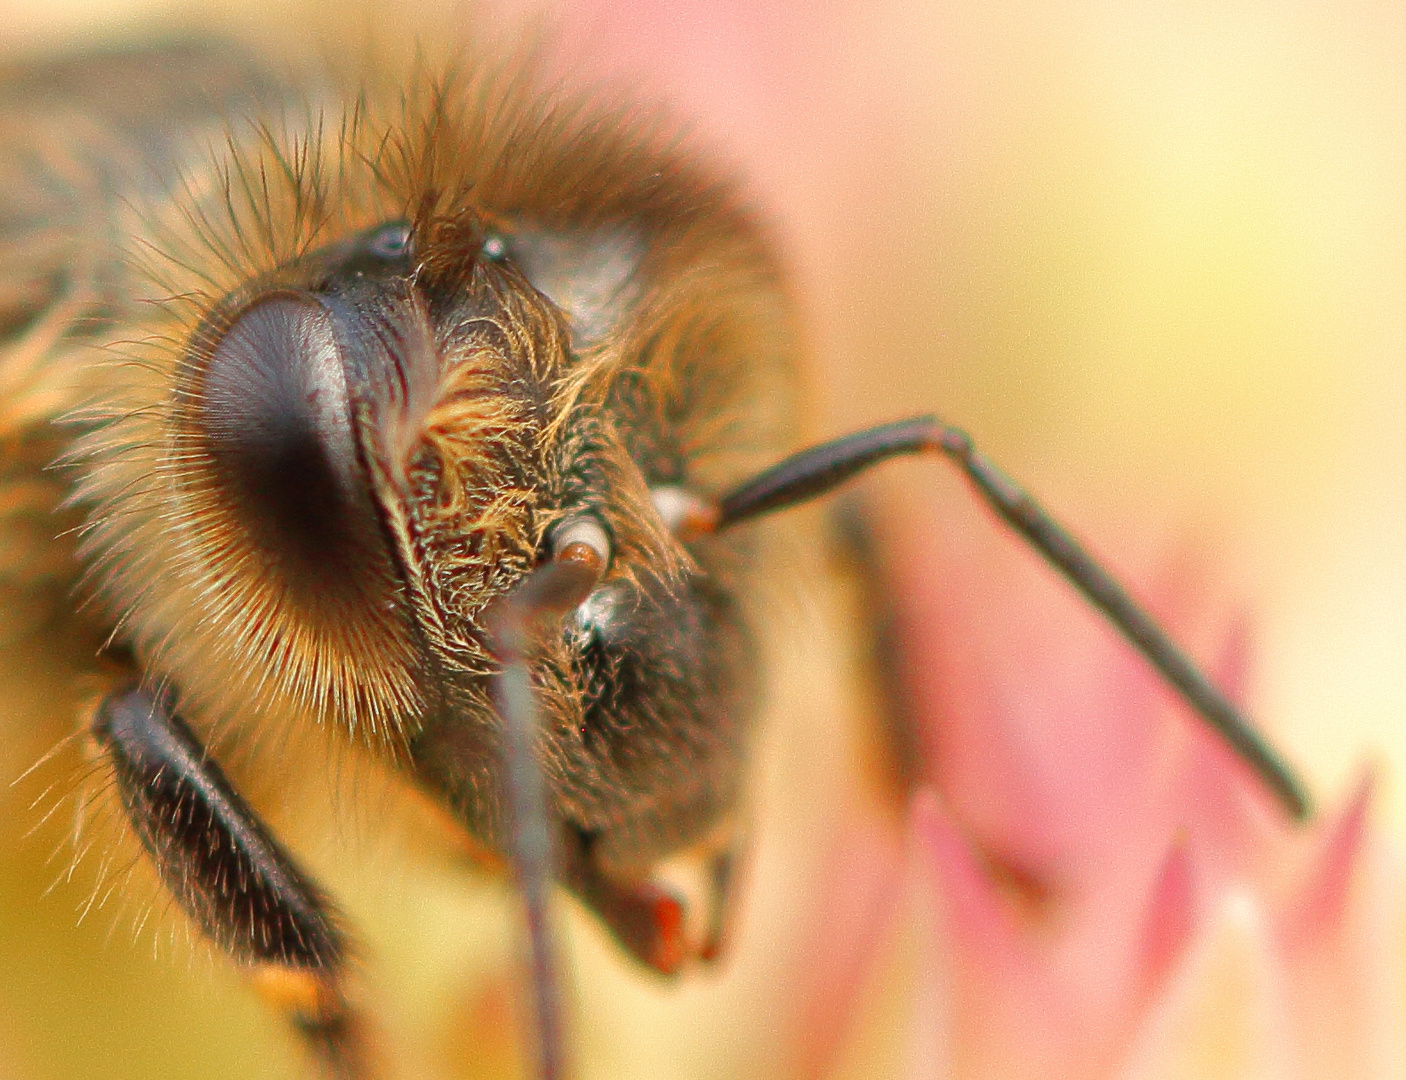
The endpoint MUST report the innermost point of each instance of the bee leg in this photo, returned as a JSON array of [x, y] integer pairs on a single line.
[[644, 916], [225, 869]]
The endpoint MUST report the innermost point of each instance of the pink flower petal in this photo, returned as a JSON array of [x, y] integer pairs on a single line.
[[1221, 1017], [1320, 908], [1170, 916], [1011, 1012]]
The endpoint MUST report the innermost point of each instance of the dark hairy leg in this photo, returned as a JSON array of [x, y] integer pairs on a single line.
[[230, 875]]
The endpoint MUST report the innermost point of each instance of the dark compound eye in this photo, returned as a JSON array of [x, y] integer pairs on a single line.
[[277, 425]]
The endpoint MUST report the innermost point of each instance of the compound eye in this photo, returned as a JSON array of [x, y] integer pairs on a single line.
[[583, 537], [277, 426]]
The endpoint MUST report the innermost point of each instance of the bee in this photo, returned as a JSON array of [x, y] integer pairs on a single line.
[[438, 412]]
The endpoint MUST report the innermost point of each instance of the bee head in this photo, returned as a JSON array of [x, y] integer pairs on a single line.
[[376, 445], [391, 365]]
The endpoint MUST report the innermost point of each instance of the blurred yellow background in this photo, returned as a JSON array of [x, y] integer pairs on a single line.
[[1152, 254]]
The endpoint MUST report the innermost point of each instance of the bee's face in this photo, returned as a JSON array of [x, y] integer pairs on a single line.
[[381, 443], [367, 436]]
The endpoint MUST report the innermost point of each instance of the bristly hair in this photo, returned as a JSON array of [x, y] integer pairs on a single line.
[[451, 150]]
